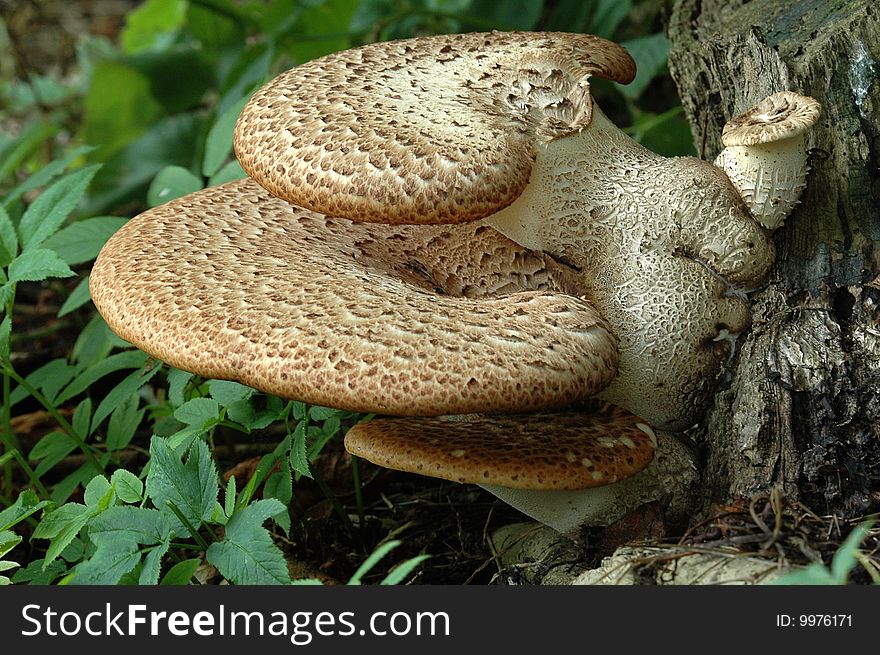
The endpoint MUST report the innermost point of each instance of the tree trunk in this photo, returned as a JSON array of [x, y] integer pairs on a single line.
[[801, 407]]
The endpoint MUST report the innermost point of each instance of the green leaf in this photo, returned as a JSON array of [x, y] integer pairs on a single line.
[[49, 378], [112, 559], [318, 413], [507, 15], [845, 560], [229, 173], [45, 175], [61, 527], [8, 541], [219, 143], [124, 422], [77, 298], [608, 16], [198, 412], [229, 497], [170, 183], [402, 571], [24, 506], [118, 362], [177, 380], [193, 486], [244, 413], [51, 449], [81, 417], [182, 572], [31, 137], [123, 390], [127, 175], [118, 108], [82, 241], [226, 393], [34, 573], [137, 525], [99, 493], [153, 25], [153, 564], [247, 554], [46, 214], [36, 265], [128, 486], [375, 557], [298, 458], [5, 337], [814, 574], [8, 238], [650, 53]]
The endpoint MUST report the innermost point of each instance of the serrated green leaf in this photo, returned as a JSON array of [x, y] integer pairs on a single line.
[[198, 412], [66, 528], [192, 487], [182, 572], [129, 487], [81, 241], [318, 413], [77, 298], [47, 213], [111, 560], [37, 265], [219, 142], [247, 554], [403, 570], [299, 461], [24, 506], [137, 525], [153, 564], [81, 417], [124, 422], [226, 392], [53, 522], [93, 344], [34, 573], [123, 390], [74, 551], [244, 413], [170, 183]]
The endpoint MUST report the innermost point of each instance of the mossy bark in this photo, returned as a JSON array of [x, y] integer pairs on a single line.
[[800, 407]]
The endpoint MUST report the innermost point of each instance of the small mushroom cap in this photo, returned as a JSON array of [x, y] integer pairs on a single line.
[[233, 283], [592, 447], [437, 129], [778, 116]]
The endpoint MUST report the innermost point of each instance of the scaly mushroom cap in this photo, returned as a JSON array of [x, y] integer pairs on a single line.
[[233, 283], [778, 116], [438, 129], [594, 446]]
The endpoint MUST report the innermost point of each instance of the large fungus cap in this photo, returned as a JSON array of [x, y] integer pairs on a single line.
[[233, 283], [594, 446], [779, 116], [438, 129]]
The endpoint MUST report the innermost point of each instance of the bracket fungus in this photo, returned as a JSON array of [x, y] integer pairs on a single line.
[[450, 225]]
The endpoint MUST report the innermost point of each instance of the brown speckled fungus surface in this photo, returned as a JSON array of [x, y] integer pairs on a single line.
[[594, 446], [439, 129], [779, 116], [233, 283]]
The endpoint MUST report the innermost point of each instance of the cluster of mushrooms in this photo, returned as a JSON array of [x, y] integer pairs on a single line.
[[448, 232]]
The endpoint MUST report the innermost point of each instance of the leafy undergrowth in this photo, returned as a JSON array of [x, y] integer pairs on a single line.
[[115, 468]]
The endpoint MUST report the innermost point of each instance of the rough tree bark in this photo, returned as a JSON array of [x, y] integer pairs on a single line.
[[801, 406]]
